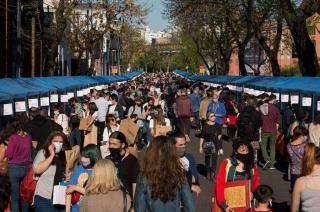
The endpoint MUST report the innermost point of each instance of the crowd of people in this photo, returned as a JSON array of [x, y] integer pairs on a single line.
[[155, 172]]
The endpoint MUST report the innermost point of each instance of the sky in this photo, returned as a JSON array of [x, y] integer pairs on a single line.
[[155, 19]]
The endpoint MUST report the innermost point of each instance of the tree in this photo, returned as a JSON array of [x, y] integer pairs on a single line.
[[296, 19]]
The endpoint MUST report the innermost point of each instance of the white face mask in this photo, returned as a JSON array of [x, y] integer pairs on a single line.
[[85, 162], [56, 112], [57, 147]]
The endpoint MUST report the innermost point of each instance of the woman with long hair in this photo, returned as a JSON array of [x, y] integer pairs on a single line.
[[162, 184], [240, 166], [103, 191], [49, 168], [306, 190], [91, 135], [80, 176], [295, 151], [158, 120], [111, 126], [18, 154]]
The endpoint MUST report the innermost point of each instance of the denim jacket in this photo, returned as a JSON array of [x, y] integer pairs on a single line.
[[144, 203]]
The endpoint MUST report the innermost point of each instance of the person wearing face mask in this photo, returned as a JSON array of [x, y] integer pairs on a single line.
[[295, 151], [240, 166], [218, 109], [209, 145], [126, 163], [263, 199], [158, 120], [49, 169], [188, 162], [76, 186]]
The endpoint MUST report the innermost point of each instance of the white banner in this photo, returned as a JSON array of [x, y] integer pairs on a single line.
[[54, 98], [318, 106], [44, 101], [7, 109], [64, 98], [306, 101], [79, 93], [33, 103], [20, 106], [294, 99], [285, 98]]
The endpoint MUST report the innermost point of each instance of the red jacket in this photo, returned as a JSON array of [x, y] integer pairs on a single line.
[[225, 175]]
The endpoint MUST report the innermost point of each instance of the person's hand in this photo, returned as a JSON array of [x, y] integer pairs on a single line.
[[191, 119], [51, 149], [201, 150], [196, 189], [229, 210], [228, 120], [70, 189], [68, 176]]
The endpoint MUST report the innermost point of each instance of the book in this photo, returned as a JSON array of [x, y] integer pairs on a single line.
[[237, 195]]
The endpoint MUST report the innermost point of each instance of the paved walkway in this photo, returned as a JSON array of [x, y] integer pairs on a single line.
[[274, 178]]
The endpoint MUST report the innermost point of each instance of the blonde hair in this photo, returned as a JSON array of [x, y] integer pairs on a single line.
[[103, 178], [310, 158]]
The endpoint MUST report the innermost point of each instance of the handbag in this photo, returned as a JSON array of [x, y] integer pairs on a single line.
[[209, 147], [28, 187]]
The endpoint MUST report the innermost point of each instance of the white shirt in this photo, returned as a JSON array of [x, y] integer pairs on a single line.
[[105, 141], [151, 123], [112, 109], [102, 105]]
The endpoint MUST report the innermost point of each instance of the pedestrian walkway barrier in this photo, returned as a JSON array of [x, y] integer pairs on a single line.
[[301, 91], [20, 94]]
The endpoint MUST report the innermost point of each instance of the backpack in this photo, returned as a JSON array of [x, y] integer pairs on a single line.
[[28, 187]]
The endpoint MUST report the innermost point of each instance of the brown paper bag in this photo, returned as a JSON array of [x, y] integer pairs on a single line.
[[72, 157], [162, 130], [84, 123], [129, 129]]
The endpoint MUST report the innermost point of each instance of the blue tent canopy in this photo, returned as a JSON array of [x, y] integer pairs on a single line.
[[23, 87], [309, 85]]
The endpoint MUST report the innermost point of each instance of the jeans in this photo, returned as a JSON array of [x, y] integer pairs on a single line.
[[16, 173], [268, 138], [45, 205], [197, 120], [75, 137]]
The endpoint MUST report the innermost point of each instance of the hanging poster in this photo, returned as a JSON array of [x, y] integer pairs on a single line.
[[33, 103], [79, 93], [54, 98], [306, 101], [7, 109], [64, 98], [284, 98], [294, 99], [20, 106], [44, 101], [318, 106]]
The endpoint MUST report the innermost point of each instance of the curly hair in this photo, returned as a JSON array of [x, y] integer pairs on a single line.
[[162, 169]]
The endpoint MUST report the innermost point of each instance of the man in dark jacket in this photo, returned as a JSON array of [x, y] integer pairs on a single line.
[[249, 122]]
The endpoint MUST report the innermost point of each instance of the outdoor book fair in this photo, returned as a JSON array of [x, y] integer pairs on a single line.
[[150, 142]]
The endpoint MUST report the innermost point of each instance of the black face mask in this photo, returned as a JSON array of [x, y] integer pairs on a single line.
[[247, 159], [115, 154]]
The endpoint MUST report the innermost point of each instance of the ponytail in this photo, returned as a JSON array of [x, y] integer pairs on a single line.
[[310, 158]]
